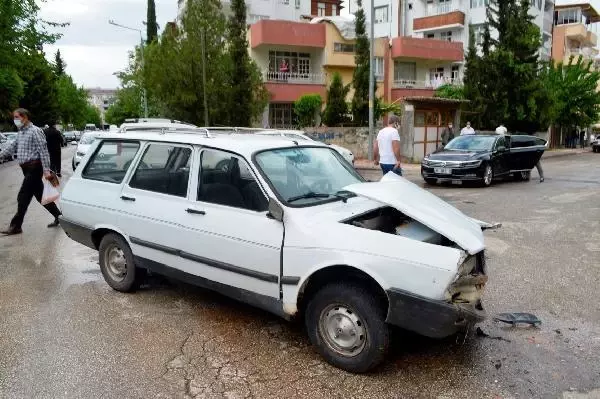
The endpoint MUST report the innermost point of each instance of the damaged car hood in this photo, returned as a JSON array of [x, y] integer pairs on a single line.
[[425, 208]]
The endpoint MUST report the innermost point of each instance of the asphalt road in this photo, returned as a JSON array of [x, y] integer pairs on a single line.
[[64, 333]]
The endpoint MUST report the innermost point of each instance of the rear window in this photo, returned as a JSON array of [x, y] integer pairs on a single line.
[[111, 161]]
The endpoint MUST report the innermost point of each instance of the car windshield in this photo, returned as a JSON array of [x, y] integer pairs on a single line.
[[305, 176], [471, 143], [87, 139]]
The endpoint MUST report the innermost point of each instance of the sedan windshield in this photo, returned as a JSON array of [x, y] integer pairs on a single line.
[[471, 143], [305, 176]]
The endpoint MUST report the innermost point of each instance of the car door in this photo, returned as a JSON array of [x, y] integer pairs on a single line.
[[500, 156], [154, 203], [229, 237]]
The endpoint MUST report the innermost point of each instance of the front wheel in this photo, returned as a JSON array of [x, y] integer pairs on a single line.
[[488, 176], [346, 323], [117, 264]]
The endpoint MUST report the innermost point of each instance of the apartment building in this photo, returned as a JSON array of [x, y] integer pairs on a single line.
[[102, 99], [288, 10], [574, 32]]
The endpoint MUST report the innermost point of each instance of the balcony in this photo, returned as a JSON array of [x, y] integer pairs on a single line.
[[294, 77], [287, 33], [289, 86], [428, 49], [587, 53], [581, 34], [450, 20], [425, 84]]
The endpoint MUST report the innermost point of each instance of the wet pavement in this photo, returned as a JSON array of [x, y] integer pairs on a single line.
[[64, 333]]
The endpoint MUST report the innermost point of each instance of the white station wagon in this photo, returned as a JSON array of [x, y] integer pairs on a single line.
[[287, 227]]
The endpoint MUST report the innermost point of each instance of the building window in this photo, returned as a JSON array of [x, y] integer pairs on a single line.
[[478, 31], [281, 115], [455, 73], [111, 161], [343, 47], [430, 36], [379, 68], [289, 62], [381, 14], [297, 4], [405, 71], [436, 74], [446, 36], [284, 2], [478, 3], [569, 16], [334, 10], [321, 9]]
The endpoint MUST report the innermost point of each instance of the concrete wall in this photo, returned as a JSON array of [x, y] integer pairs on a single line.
[[356, 139]]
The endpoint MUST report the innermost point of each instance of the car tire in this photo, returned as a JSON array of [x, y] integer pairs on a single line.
[[488, 176], [351, 307], [430, 181], [117, 264]]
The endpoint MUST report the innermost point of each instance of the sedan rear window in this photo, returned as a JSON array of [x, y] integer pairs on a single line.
[[111, 161]]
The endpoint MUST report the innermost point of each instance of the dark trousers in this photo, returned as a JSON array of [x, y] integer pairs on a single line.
[[55, 162], [385, 168], [32, 187]]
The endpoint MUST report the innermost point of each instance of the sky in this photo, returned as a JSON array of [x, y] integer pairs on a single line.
[[92, 48]]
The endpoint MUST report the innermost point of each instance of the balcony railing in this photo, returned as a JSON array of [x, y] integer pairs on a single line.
[[294, 77], [587, 53], [442, 8], [425, 84]]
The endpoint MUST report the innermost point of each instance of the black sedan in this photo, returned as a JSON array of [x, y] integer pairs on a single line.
[[483, 158]]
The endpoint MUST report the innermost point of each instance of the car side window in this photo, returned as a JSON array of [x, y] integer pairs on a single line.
[[226, 179], [164, 169], [111, 161], [501, 142]]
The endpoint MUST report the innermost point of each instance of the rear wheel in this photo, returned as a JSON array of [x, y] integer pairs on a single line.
[[117, 264], [346, 323], [488, 176]]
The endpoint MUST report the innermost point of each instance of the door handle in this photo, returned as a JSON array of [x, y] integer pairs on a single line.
[[125, 198], [195, 211]]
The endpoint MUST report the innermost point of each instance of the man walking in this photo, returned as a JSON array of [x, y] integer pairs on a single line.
[[55, 142], [447, 134], [467, 130], [33, 157], [387, 147]]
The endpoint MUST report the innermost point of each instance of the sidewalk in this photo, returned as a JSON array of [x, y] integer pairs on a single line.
[[365, 164]]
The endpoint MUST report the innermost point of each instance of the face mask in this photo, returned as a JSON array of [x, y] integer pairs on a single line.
[[18, 123]]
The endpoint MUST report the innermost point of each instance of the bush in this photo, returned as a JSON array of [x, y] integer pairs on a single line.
[[336, 108], [450, 91], [306, 108]]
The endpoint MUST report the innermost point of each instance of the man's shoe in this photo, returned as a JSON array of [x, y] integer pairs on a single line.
[[56, 223], [541, 179], [11, 231]]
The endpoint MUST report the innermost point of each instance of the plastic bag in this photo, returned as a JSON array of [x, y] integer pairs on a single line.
[[50, 193]]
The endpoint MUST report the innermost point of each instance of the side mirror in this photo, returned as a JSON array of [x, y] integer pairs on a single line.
[[275, 210], [501, 149]]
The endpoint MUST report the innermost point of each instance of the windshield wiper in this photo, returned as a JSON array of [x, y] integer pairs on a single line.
[[342, 194], [310, 194]]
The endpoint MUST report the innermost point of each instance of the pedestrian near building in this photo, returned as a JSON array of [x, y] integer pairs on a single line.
[[447, 134], [467, 130], [501, 129], [582, 139], [387, 147], [33, 157], [55, 141]]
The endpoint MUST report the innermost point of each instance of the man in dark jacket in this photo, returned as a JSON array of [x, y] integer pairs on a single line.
[[447, 134], [55, 141]]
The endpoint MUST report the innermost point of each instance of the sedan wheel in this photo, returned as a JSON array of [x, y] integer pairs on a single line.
[[488, 176]]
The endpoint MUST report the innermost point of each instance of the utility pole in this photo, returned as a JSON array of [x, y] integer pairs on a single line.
[[202, 38], [144, 94], [371, 79]]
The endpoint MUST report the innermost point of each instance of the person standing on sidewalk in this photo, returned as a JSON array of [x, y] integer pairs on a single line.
[[467, 130], [386, 149], [33, 157], [447, 134], [55, 142]]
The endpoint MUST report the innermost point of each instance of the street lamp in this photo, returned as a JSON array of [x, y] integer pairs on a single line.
[[371, 80], [145, 98]]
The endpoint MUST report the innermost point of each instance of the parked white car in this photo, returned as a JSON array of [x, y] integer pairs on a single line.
[[287, 227], [300, 135], [83, 146]]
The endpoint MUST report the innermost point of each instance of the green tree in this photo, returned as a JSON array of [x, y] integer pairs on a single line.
[[40, 93], [72, 101], [127, 105], [360, 79], [307, 108], [59, 64], [576, 101], [241, 87], [91, 115], [151, 25], [11, 91], [336, 107]]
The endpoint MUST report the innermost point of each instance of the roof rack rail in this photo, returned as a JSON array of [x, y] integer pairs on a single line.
[[193, 130]]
